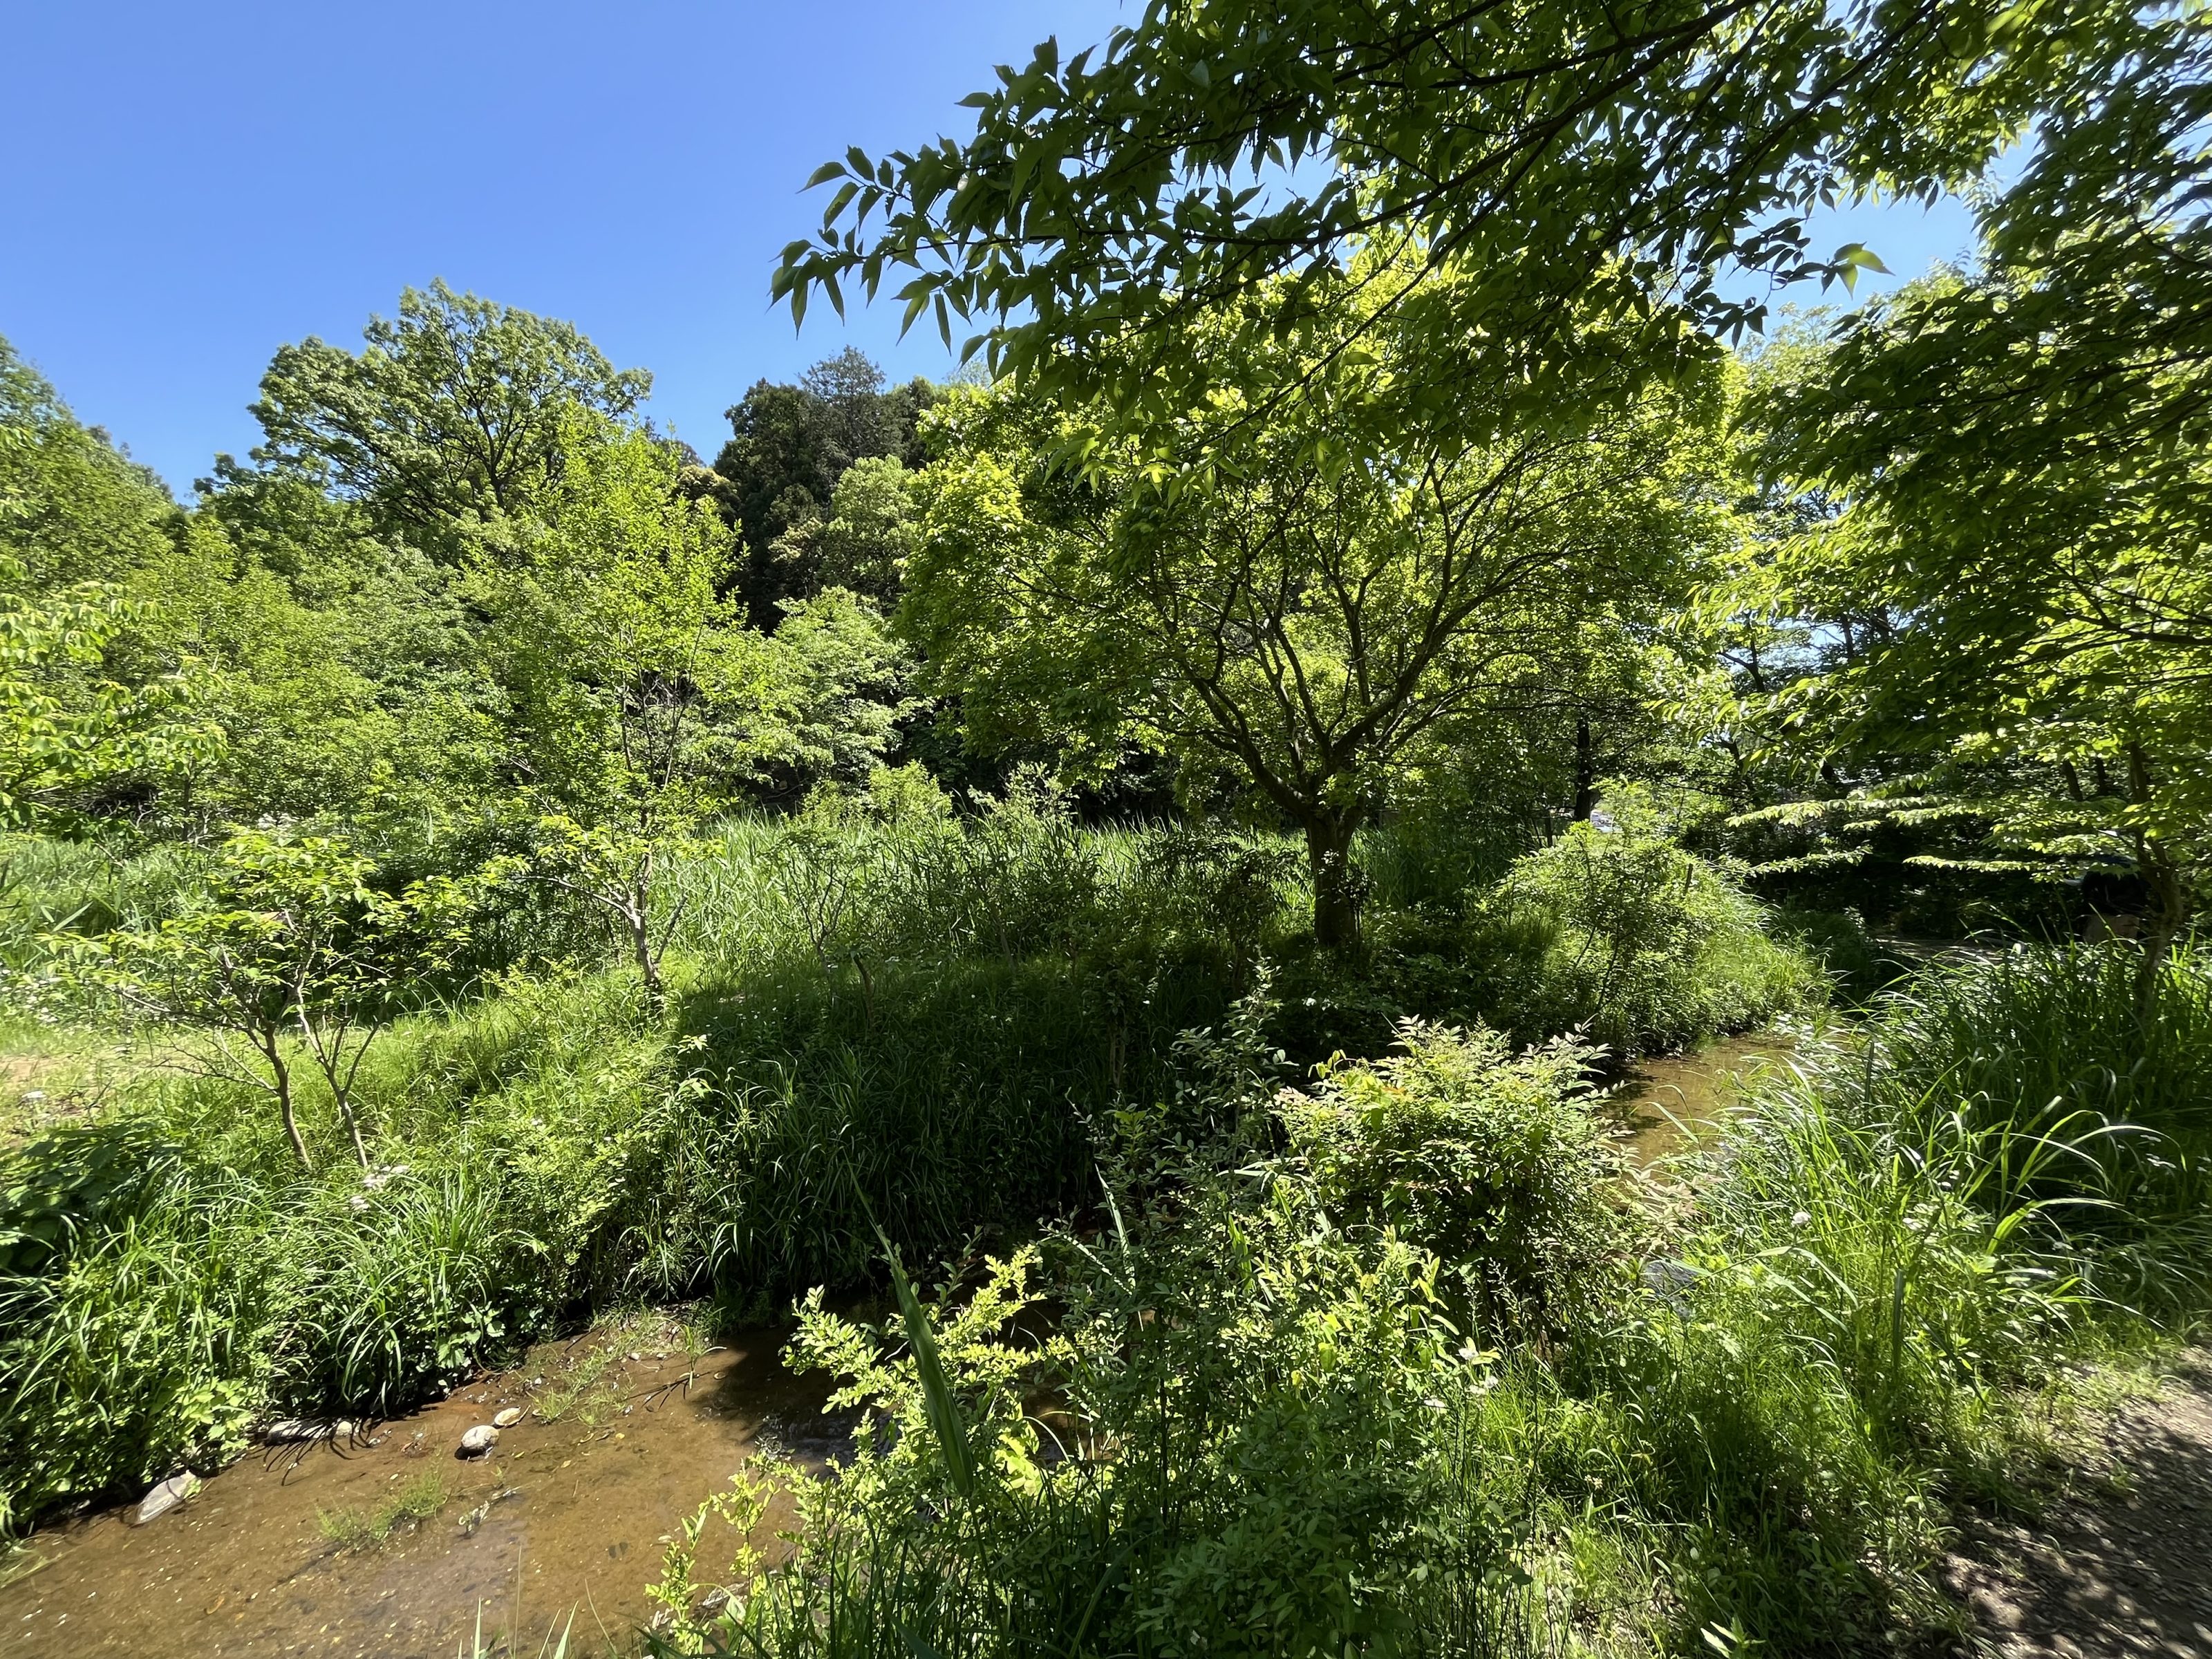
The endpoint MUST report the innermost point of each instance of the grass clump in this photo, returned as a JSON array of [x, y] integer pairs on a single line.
[[353, 1529]]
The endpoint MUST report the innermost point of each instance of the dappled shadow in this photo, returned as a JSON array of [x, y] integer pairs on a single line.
[[2126, 1570]]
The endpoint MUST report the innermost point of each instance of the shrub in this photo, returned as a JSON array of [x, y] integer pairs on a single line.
[[1492, 1160], [1621, 933], [1244, 1463]]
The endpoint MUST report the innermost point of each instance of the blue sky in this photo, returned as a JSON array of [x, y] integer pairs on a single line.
[[188, 187]]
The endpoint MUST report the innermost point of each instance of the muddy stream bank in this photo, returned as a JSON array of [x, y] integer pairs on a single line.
[[622, 1435]]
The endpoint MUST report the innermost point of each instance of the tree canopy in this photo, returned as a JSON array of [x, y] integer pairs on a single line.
[[2015, 454], [1331, 586], [1555, 163], [449, 412]]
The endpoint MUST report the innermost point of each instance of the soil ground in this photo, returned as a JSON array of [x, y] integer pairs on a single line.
[[2114, 1571]]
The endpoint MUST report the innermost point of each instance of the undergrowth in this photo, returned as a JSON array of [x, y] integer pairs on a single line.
[[878, 1016], [1292, 1399]]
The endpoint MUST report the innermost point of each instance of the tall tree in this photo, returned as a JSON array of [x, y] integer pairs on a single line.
[[451, 412], [1315, 595], [73, 507], [790, 448]]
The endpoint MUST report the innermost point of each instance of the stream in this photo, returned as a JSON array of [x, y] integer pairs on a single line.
[[561, 1518], [1665, 1106], [622, 1434]]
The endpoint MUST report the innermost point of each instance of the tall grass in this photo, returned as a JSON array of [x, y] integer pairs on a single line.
[[879, 1016]]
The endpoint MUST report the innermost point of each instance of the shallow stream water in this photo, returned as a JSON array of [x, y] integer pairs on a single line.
[[563, 1517], [1673, 1103]]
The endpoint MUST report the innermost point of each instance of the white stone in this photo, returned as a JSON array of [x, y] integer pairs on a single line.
[[165, 1497]]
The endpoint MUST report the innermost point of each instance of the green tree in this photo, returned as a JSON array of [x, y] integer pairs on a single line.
[[846, 677], [67, 729], [450, 413], [863, 543], [1312, 599], [636, 706], [288, 955], [346, 679], [2010, 569], [778, 477], [73, 509]]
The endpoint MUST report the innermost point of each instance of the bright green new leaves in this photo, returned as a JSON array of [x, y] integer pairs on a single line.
[[1582, 162], [72, 507], [2019, 456], [636, 707], [450, 413], [74, 513], [289, 957]]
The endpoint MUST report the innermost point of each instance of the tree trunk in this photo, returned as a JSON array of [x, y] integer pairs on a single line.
[[353, 1128], [2170, 896], [2168, 919], [1585, 771], [648, 962], [283, 1076], [1335, 881]]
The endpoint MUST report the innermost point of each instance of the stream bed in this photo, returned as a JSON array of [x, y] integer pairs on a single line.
[[563, 1517]]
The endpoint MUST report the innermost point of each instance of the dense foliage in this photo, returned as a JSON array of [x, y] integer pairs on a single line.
[[1171, 842]]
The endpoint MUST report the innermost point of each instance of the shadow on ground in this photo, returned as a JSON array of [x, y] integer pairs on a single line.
[[2125, 1572]]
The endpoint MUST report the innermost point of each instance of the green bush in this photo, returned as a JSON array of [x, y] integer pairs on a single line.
[[1268, 1431], [1494, 1161], [1620, 933], [1247, 1464]]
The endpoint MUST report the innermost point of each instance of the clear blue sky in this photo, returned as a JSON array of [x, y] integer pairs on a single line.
[[189, 187]]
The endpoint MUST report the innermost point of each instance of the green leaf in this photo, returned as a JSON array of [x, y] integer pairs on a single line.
[[938, 1404]]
